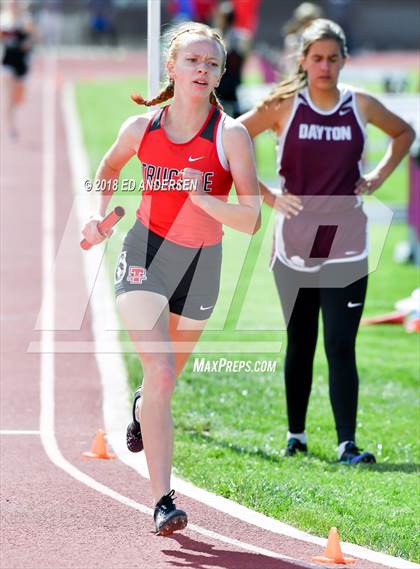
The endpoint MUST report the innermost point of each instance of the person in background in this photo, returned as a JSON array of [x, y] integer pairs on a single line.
[[302, 17], [17, 33], [102, 26], [197, 10], [238, 42], [320, 249], [50, 23]]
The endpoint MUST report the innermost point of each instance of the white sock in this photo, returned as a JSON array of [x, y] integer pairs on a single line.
[[341, 448], [137, 411], [299, 436]]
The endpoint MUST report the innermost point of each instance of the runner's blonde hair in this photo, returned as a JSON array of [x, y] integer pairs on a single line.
[[174, 42]]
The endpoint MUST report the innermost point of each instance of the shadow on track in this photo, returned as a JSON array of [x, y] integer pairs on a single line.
[[197, 555]]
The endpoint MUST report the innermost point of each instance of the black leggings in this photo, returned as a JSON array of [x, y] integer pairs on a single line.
[[341, 308]]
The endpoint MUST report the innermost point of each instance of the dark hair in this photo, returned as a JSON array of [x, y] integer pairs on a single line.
[[320, 29], [173, 44]]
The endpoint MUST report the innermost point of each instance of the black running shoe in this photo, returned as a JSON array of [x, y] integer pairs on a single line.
[[354, 455], [167, 517], [294, 446], [134, 439]]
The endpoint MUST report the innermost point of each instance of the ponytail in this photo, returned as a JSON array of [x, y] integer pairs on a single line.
[[285, 89]]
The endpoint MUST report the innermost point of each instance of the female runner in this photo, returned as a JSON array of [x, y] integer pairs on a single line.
[[167, 278]]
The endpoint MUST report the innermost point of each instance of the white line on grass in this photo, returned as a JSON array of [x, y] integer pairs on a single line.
[[115, 389]]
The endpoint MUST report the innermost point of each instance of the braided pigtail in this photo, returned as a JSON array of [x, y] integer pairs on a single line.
[[214, 100], [164, 95]]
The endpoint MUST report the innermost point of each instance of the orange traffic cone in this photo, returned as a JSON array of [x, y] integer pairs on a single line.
[[333, 553], [99, 449]]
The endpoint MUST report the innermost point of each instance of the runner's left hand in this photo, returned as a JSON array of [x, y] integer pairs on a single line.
[[193, 184]]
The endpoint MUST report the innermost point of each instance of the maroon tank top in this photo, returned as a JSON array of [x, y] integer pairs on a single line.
[[319, 158]]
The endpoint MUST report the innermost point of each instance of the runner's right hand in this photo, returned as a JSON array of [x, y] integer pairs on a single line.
[[91, 233]]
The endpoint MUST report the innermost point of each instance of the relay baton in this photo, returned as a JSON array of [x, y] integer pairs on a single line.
[[105, 225]]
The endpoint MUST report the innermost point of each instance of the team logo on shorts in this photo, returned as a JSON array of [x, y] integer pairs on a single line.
[[136, 275], [121, 267]]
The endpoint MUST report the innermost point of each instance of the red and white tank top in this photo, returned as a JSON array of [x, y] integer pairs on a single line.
[[319, 159], [165, 208]]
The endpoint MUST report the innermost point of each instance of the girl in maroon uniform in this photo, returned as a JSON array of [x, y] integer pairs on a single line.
[[320, 250], [167, 278]]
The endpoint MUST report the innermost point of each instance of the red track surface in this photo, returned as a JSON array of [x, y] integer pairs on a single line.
[[49, 519]]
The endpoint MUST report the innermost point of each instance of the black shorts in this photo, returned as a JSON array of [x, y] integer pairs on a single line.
[[16, 61], [188, 277]]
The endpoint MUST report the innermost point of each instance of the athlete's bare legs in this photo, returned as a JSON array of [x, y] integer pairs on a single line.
[[159, 331], [14, 94]]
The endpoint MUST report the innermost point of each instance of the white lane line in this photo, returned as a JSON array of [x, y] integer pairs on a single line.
[[115, 388], [47, 400], [6, 432], [48, 218]]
